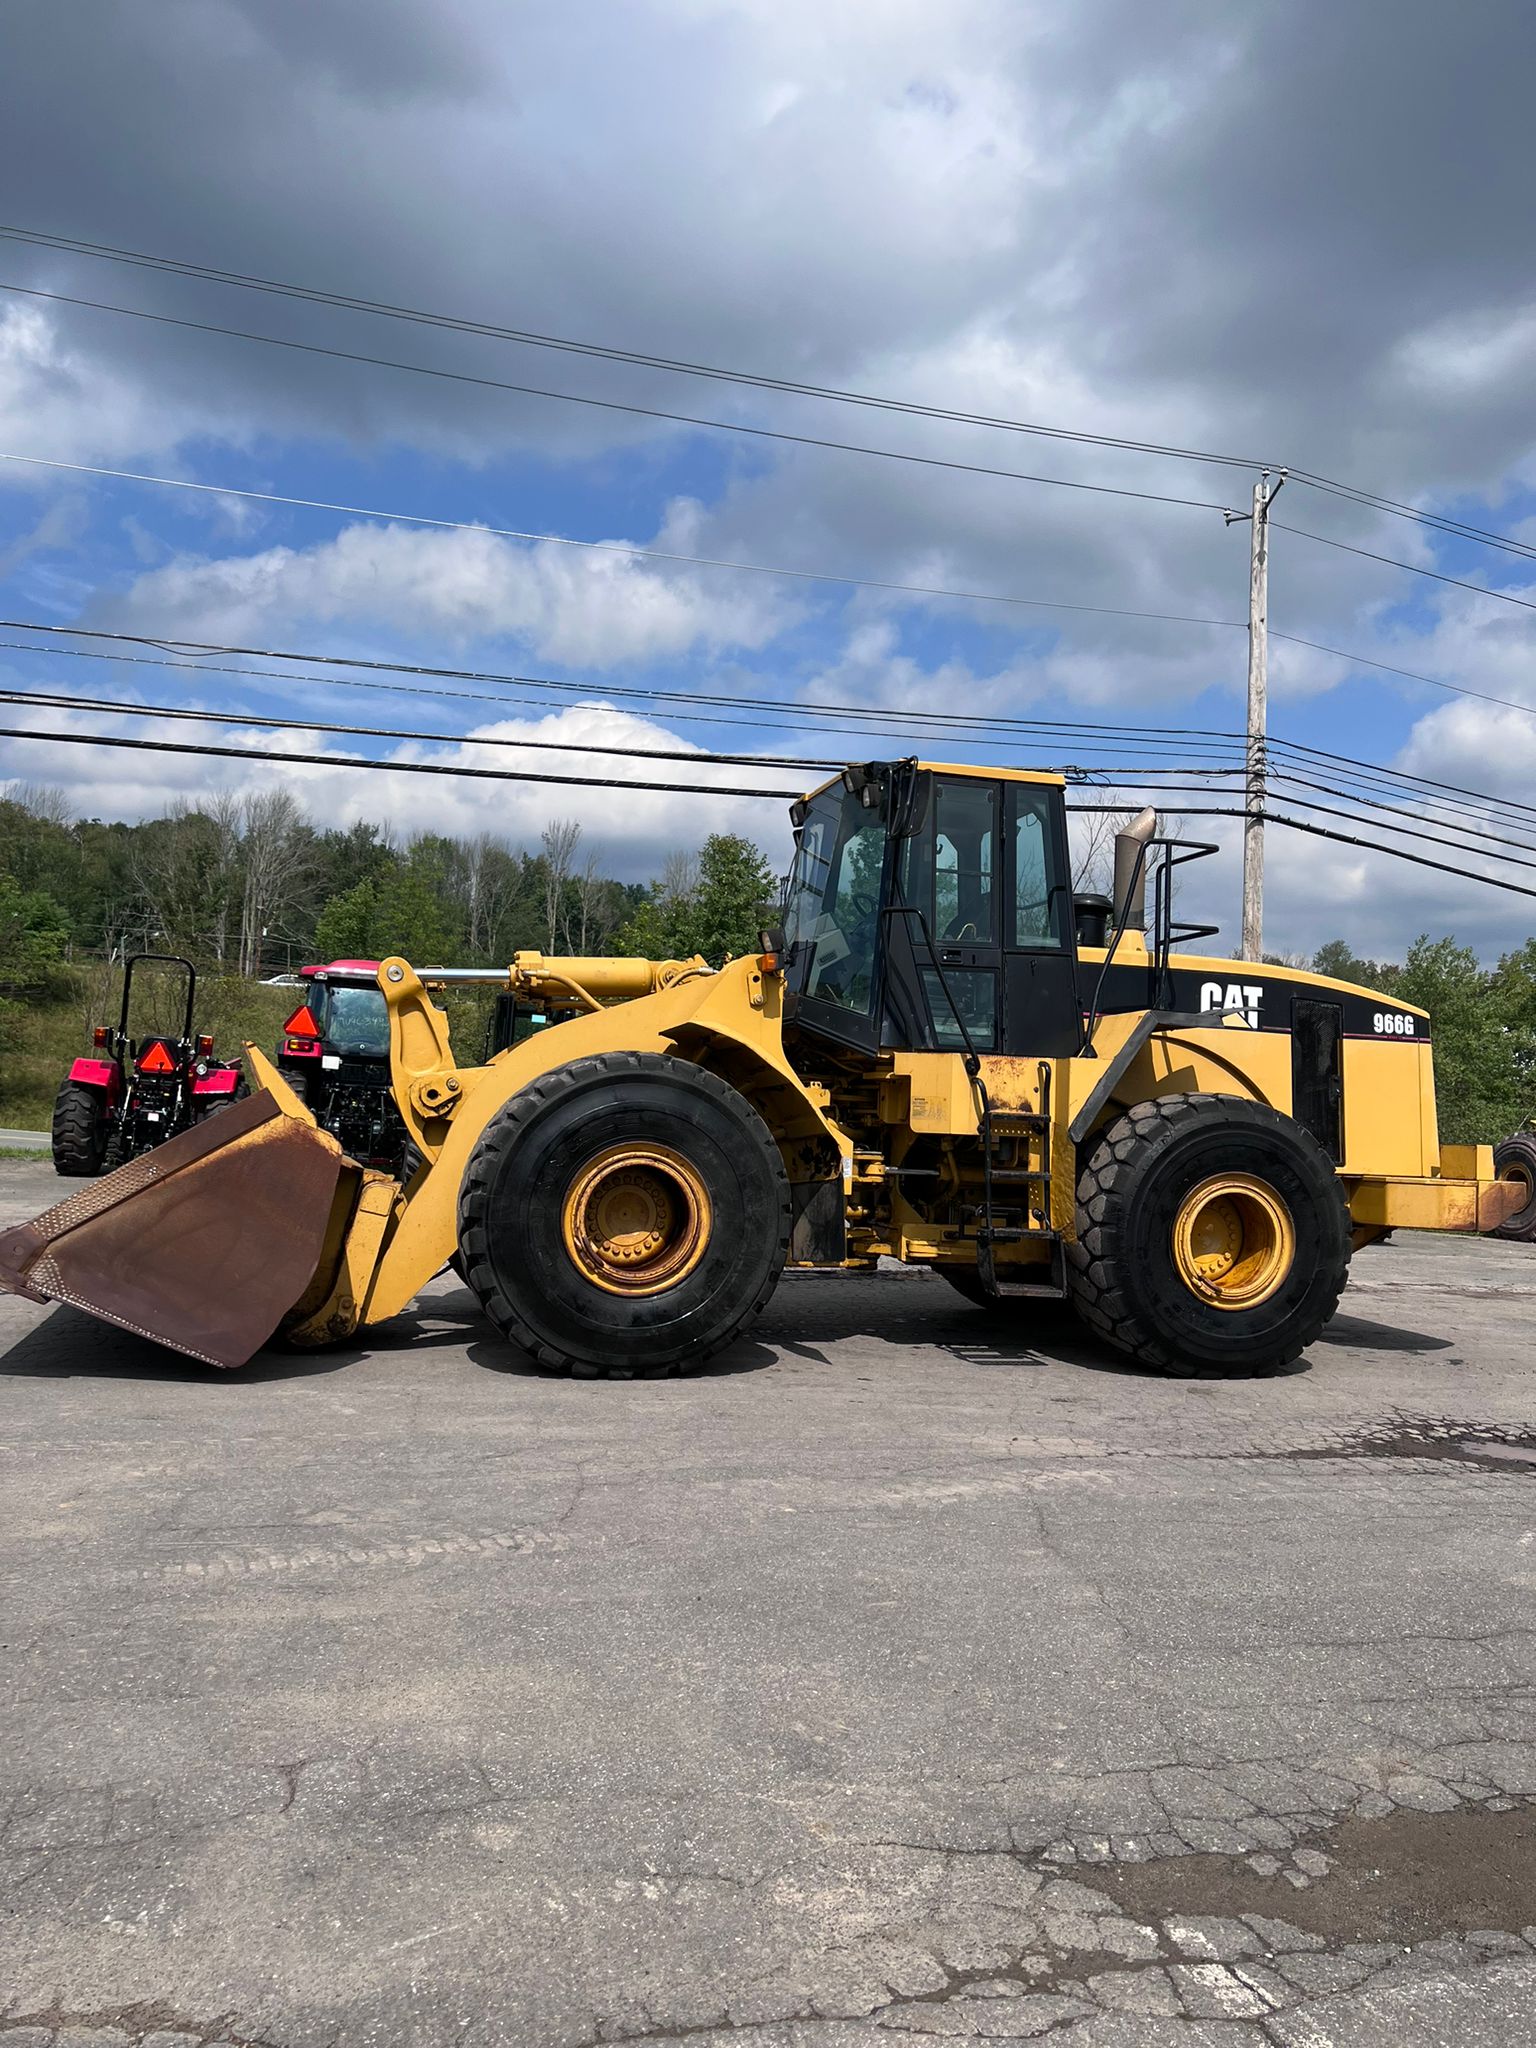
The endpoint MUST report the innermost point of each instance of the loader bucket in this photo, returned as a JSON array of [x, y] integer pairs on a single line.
[[203, 1244]]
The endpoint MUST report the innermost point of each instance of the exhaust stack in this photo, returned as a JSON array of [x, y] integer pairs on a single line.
[[1131, 886]]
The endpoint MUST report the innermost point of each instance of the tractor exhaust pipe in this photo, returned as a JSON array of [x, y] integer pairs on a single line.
[[1131, 885]]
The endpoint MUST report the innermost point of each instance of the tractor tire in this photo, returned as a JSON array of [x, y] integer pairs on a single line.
[[625, 1214], [80, 1132], [1213, 1237], [1515, 1159]]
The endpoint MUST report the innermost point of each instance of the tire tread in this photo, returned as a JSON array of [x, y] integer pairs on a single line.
[[475, 1196], [1093, 1261]]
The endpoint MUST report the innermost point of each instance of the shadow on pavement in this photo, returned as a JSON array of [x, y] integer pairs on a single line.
[[70, 1345], [800, 1321], [1372, 1336]]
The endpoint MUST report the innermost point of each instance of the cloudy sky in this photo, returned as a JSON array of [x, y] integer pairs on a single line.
[[1295, 232]]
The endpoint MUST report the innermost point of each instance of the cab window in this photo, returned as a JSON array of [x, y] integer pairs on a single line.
[[1038, 894], [832, 916], [962, 864]]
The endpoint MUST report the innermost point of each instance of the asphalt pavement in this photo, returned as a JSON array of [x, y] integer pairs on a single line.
[[911, 1672]]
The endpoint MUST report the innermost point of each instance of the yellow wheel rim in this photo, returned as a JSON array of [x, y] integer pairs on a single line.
[[1233, 1241], [636, 1219]]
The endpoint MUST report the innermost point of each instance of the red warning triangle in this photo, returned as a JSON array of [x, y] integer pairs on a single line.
[[156, 1059], [302, 1023]]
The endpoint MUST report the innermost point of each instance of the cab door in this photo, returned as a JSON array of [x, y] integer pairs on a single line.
[[1042, 1014], [944, 951]]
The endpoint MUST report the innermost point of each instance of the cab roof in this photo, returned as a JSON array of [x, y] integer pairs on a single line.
[[362, 970], [963, 768]]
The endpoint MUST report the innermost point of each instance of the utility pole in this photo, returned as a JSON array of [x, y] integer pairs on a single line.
[[1264, 495]]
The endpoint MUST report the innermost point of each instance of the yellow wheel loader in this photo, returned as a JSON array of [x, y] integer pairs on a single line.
[[938, 1056]]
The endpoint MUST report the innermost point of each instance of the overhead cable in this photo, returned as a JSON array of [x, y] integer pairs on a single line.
[[170, 645], [1409, 675], [290, 760], [526, 337], [608, 547], [1173, 777], [969, 729], [1328, 540], [313, 295], [650, 412]]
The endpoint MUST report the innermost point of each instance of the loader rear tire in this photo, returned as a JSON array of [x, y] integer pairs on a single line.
[[80, 1131], [1515, 1159], [1213, 1237], [625, 1214]]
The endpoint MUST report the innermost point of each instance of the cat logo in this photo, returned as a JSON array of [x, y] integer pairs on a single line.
[[1244, 997]]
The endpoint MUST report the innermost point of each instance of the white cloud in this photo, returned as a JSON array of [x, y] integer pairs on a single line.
[[574, 605], [631, 828]]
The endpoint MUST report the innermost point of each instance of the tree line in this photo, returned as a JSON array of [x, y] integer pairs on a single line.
[[251, 886]]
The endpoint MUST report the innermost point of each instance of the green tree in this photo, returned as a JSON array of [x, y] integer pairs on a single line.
[[719, 913], [34, 935], [1339, 961], [401, 913], [1478, 1084], [1514, 995]]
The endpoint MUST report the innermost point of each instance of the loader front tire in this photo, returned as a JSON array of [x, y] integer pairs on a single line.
[[80, 1131], [1213, 1237], [625, 1214]]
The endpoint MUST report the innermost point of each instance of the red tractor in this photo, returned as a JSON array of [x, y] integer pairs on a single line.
[[334, 1053], [136, 1093]]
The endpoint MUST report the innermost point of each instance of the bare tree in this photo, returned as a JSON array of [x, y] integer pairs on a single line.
[[274, 873], [679, 876], [479, 880], [560, 838], [44, 801], [1093, 849], [590, 890], [223, 814]]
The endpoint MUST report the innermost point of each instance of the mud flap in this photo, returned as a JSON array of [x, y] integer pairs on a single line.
[[203, 1244]]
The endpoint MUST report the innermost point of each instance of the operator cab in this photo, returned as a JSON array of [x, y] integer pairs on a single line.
[[930, 909]]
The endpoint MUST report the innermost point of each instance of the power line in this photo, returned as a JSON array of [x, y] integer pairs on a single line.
[[245, 281], [1410, 675], [1368, 784], [972, 729], [1295, 782], [611, 547], [526, 337], [879, 723], [1439, 522], [248, 754], [650, 412], [1196, 735], [584, 696], [1327, 540], [63, 701], [66, 702], [102, 739]]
